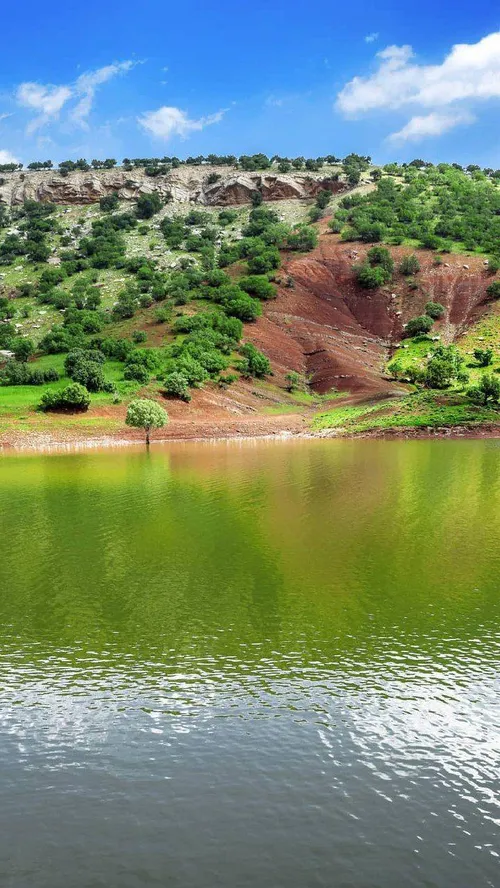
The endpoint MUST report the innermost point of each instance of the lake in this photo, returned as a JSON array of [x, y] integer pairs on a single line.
[[262, 664]]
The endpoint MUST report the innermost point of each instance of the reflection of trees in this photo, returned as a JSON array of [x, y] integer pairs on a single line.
[[214, 556]]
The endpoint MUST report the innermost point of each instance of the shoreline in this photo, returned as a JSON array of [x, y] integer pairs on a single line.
[[46, 443]]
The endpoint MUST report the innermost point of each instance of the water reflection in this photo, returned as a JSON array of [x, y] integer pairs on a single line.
[[251, 665]]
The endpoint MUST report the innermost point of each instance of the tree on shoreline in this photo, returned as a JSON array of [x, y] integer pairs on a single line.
[[146, 414]]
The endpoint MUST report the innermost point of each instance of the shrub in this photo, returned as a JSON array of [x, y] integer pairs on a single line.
[[23, 348], [494, 290], [258, 285], [147, 205], [487, 390], [82, 354], [315, 214], [484, 356], [74, 397], [420, 324], [176, 386], [126, 305], [227, 217], [493, 265], [109, 202], [163, 314], [139, 336], [26, 374], [263, 262], [409, 265], [292, 380], [7, 334], [369, 277], [431, 242], [302, 238], [371, 233], [255, 363], [90, 374], [396, 369], [435, 310], [137, 372], [191, 369], [323, 198], [60, 340], [443, 367], [380, 257], [118, 349], [243, 307]]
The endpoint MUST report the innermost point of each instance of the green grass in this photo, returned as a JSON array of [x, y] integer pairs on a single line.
[[15, 399], [419, 410]]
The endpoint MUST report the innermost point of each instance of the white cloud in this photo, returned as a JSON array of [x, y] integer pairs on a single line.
[[433, 124], [469, 73], [168, 121], [87, 84], [371, 38], [7, 157], [48, 100], [5, 116]]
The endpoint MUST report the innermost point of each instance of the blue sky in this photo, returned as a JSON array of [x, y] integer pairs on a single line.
[[394, 80]]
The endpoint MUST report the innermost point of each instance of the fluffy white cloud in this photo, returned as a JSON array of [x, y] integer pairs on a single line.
[[168, 121], [469, 73], [433, 124], [7, 157], [370, 38], [48, 100]]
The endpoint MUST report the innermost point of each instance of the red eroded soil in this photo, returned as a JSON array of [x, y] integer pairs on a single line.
[[341, 334]]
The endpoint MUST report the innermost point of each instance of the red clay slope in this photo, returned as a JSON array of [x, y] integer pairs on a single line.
[[340, 334]]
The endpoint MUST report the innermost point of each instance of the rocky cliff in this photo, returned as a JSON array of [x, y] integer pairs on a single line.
[[183, 185]]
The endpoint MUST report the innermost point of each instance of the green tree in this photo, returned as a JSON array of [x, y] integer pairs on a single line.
[[146, 414]]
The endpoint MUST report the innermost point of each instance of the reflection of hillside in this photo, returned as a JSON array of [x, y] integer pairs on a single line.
[[221, 559]]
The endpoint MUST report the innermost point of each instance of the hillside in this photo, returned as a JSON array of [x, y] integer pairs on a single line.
[[247, 302]]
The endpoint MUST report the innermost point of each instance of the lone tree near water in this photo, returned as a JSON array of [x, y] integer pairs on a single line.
[[146, 414]]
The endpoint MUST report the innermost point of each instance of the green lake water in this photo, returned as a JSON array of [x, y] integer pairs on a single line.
[[251, 665]]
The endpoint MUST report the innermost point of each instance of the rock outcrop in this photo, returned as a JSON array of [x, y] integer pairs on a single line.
[[183, 185]]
